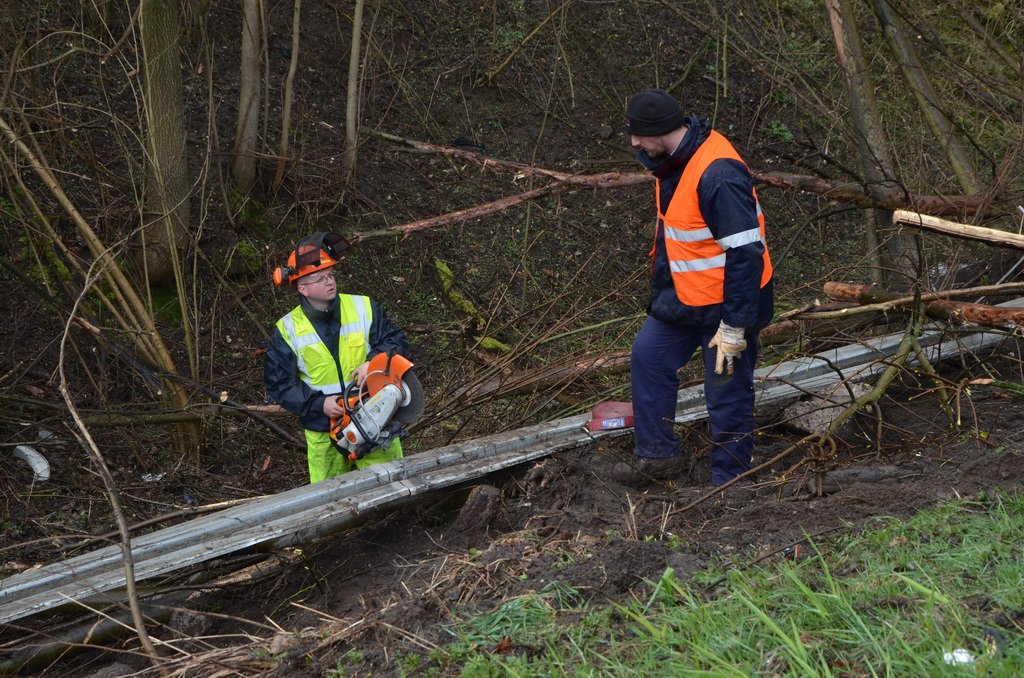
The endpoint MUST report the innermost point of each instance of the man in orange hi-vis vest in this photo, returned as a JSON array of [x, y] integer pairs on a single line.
[[711, 287]]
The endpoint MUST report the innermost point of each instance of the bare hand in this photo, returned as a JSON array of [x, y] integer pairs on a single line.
[[331, 407], [359, 373]]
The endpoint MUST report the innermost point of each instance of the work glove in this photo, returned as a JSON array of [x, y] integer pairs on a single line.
[[730, 344]]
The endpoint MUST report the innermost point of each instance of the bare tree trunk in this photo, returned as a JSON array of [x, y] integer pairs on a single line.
[[166, 194], [243, 168], [352, 103], [872, 146], [928, 100], [286, 111]]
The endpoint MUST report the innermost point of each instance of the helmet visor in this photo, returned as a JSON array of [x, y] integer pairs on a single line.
[[308, 250]]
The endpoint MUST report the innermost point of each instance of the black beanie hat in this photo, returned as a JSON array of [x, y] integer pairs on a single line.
[[652, 113]]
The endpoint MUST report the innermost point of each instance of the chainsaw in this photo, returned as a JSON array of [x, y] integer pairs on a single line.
[[378, 408]]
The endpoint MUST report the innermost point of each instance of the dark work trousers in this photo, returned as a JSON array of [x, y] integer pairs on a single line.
[[659, 350]]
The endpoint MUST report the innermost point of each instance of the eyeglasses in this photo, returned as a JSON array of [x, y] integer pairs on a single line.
[[316, 279]]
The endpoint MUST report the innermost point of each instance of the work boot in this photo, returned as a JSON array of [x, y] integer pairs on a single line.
[[644, 470]]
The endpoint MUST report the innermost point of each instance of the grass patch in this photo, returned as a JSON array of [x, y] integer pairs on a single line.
[[940, 594]]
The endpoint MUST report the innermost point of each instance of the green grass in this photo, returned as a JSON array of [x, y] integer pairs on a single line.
[[890, 602]]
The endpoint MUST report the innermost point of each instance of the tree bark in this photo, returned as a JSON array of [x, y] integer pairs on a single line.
[[927, 98], [872, 144], [289, 84], [952, 311], [989, 235], [854, 194], [243, 167], [166, 192], [352, 99]]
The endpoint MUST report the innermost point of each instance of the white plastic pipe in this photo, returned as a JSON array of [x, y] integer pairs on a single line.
[[38, 462]]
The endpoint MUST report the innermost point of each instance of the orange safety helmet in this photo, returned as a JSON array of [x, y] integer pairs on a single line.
[[311, 254]]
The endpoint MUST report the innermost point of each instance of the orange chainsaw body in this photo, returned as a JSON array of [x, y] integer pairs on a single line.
[[389, 392]]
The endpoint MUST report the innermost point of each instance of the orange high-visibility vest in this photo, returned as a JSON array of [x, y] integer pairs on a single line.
[[695, 258]]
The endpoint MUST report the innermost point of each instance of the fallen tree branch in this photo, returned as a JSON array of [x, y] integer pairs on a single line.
[[196, 412], [508, 385], [851, 193], [936, 304], [604, 180], [891, 199], [793, 325], [843, 192], [461, 215], [990, 235], [808, 312]]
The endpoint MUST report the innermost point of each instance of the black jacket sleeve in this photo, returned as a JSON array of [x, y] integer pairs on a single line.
[[726, 199], [281, 376]]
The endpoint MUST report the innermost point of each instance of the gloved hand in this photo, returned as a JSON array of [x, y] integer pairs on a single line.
[[730, 344]]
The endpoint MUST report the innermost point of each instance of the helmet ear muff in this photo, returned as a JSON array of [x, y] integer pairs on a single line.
[[281, 274]]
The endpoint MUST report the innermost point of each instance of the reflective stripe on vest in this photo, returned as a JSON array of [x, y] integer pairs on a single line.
[[316, 366], [696, 259]]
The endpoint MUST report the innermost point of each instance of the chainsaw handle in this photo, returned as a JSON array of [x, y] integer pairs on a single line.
[[359, 373], [347, 402], [354, 392]]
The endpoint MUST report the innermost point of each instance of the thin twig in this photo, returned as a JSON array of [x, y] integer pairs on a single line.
[[112, 491]]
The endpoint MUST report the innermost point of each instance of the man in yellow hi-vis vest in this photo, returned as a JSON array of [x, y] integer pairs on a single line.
[[320, 346]]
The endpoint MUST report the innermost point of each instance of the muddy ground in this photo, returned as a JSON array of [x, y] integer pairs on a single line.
[[399, 584], [563, 520]]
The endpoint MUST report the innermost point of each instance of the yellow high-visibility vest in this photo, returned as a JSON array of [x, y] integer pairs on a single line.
[[317, 368]]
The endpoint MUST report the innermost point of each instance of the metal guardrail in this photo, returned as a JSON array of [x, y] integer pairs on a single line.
[[278, 520], [311, 511]]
